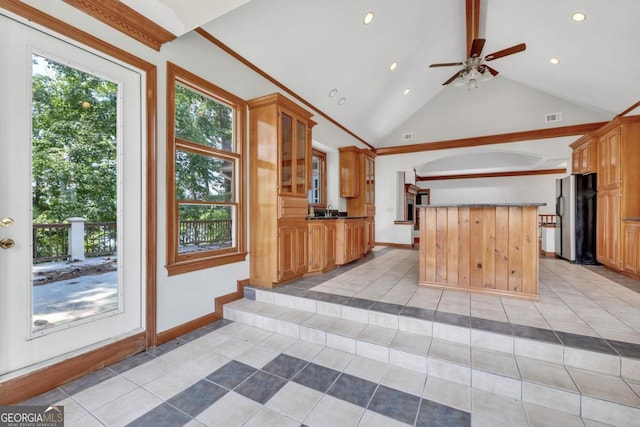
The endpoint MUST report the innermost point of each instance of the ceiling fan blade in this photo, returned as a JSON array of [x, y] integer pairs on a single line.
[[473, 21], [491, 70], [455, 76], [445, 64], [476, 47], [504, 52]]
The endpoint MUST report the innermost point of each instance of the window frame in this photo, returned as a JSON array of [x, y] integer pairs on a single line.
[[178, 263], [323, 178]]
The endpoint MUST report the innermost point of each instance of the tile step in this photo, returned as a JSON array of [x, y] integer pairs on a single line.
[[518, 371]]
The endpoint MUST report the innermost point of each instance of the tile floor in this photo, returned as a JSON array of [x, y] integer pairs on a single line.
[[228, 373]]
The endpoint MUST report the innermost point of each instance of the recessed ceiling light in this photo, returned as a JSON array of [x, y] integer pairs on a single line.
[[554, 60], [368, 17], [342, 100], [578, 16], [333, 92], [406, 91], [393, 66]]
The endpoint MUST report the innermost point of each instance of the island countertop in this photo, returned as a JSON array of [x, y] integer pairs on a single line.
[[479, 205]]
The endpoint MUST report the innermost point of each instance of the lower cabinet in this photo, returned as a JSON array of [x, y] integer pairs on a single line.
[[608, 225], [321, 245], [370, 231], [292, 250], [631, 249], [350, 240]]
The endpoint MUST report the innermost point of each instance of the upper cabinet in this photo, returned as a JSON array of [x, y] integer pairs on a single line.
[[584, 156], [279, 177], [294, 165], [349, 172]]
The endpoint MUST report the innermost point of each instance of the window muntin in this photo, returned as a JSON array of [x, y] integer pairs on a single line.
[[206, 213]]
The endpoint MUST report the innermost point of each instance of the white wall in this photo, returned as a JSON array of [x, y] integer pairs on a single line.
[[532, 188]]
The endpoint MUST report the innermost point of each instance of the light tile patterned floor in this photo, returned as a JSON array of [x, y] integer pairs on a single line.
[[228, 373]]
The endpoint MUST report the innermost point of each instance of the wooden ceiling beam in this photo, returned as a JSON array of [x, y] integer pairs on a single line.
[[492, 174], [503, 138], [473, 22]]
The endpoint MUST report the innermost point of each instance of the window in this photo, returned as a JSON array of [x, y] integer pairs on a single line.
[[204, 174], [318, 179]]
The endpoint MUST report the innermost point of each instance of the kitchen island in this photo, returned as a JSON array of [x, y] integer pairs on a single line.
[[483, 248]]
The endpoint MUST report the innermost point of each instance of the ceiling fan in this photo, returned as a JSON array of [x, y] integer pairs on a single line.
[[474, 67]]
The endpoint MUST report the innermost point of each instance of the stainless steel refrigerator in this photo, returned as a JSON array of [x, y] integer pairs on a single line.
[[576, 198]]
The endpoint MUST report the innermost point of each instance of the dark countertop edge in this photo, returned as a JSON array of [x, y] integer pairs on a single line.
[[313, 218], [631, 219], [479, 205]]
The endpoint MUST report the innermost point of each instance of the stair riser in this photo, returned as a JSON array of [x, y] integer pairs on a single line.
[[577, 358]]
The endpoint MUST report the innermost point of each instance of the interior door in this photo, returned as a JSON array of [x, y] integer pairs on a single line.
[[26, 345]]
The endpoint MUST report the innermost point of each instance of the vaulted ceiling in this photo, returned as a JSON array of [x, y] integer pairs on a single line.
[[314, 47]]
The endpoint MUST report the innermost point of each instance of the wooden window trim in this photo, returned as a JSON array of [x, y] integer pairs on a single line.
[[184, 263], [323, 178]]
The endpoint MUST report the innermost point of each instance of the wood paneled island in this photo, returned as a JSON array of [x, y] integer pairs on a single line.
[[483, 248]]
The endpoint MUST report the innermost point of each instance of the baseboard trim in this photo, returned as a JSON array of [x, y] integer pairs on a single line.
[[194, 324], [396, 245], [42, 380]]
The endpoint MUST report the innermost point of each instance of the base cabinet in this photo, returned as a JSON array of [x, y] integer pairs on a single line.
[[631, 258], [350, 240], [322, 246], [292, 251]]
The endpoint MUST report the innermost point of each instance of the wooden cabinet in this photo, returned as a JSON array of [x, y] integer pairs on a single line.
[[608, 228], [609, 155], [631, 258], [350, 240], [358, 186], [322, 245], [584, 155], [292, 251], [279, 177], [349, 172], [618, 145], [370, 233]]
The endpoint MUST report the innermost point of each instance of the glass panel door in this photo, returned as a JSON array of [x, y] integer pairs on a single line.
[[301, 158], [286, 154]]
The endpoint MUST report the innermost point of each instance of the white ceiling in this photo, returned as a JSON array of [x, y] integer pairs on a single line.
[[315, 46]]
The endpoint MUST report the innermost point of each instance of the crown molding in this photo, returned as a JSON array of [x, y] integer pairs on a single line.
[[126, 20]]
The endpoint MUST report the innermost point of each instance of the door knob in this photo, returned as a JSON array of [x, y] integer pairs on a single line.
[[6, 222], [7, 243]]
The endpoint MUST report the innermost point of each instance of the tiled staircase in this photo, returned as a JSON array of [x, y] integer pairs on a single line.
[[580, 376]]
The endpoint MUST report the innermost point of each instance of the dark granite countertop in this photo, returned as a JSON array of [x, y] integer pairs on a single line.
[[313, 218], [479, 205]]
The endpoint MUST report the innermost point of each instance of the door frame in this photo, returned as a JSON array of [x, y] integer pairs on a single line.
[[44, 379]]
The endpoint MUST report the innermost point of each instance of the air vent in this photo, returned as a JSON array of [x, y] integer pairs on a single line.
[[407, 136], [553, 117]]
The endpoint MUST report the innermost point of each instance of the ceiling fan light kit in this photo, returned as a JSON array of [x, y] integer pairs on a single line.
[[474, 67]]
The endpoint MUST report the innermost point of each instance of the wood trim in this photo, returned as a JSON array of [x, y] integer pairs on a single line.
[[192, 325], [492, 174], [45, 379], [628, 110], [262, 73], [177, 263], [40, 18], [323, 177], [503, 138], [396, 245], [121, 17]]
